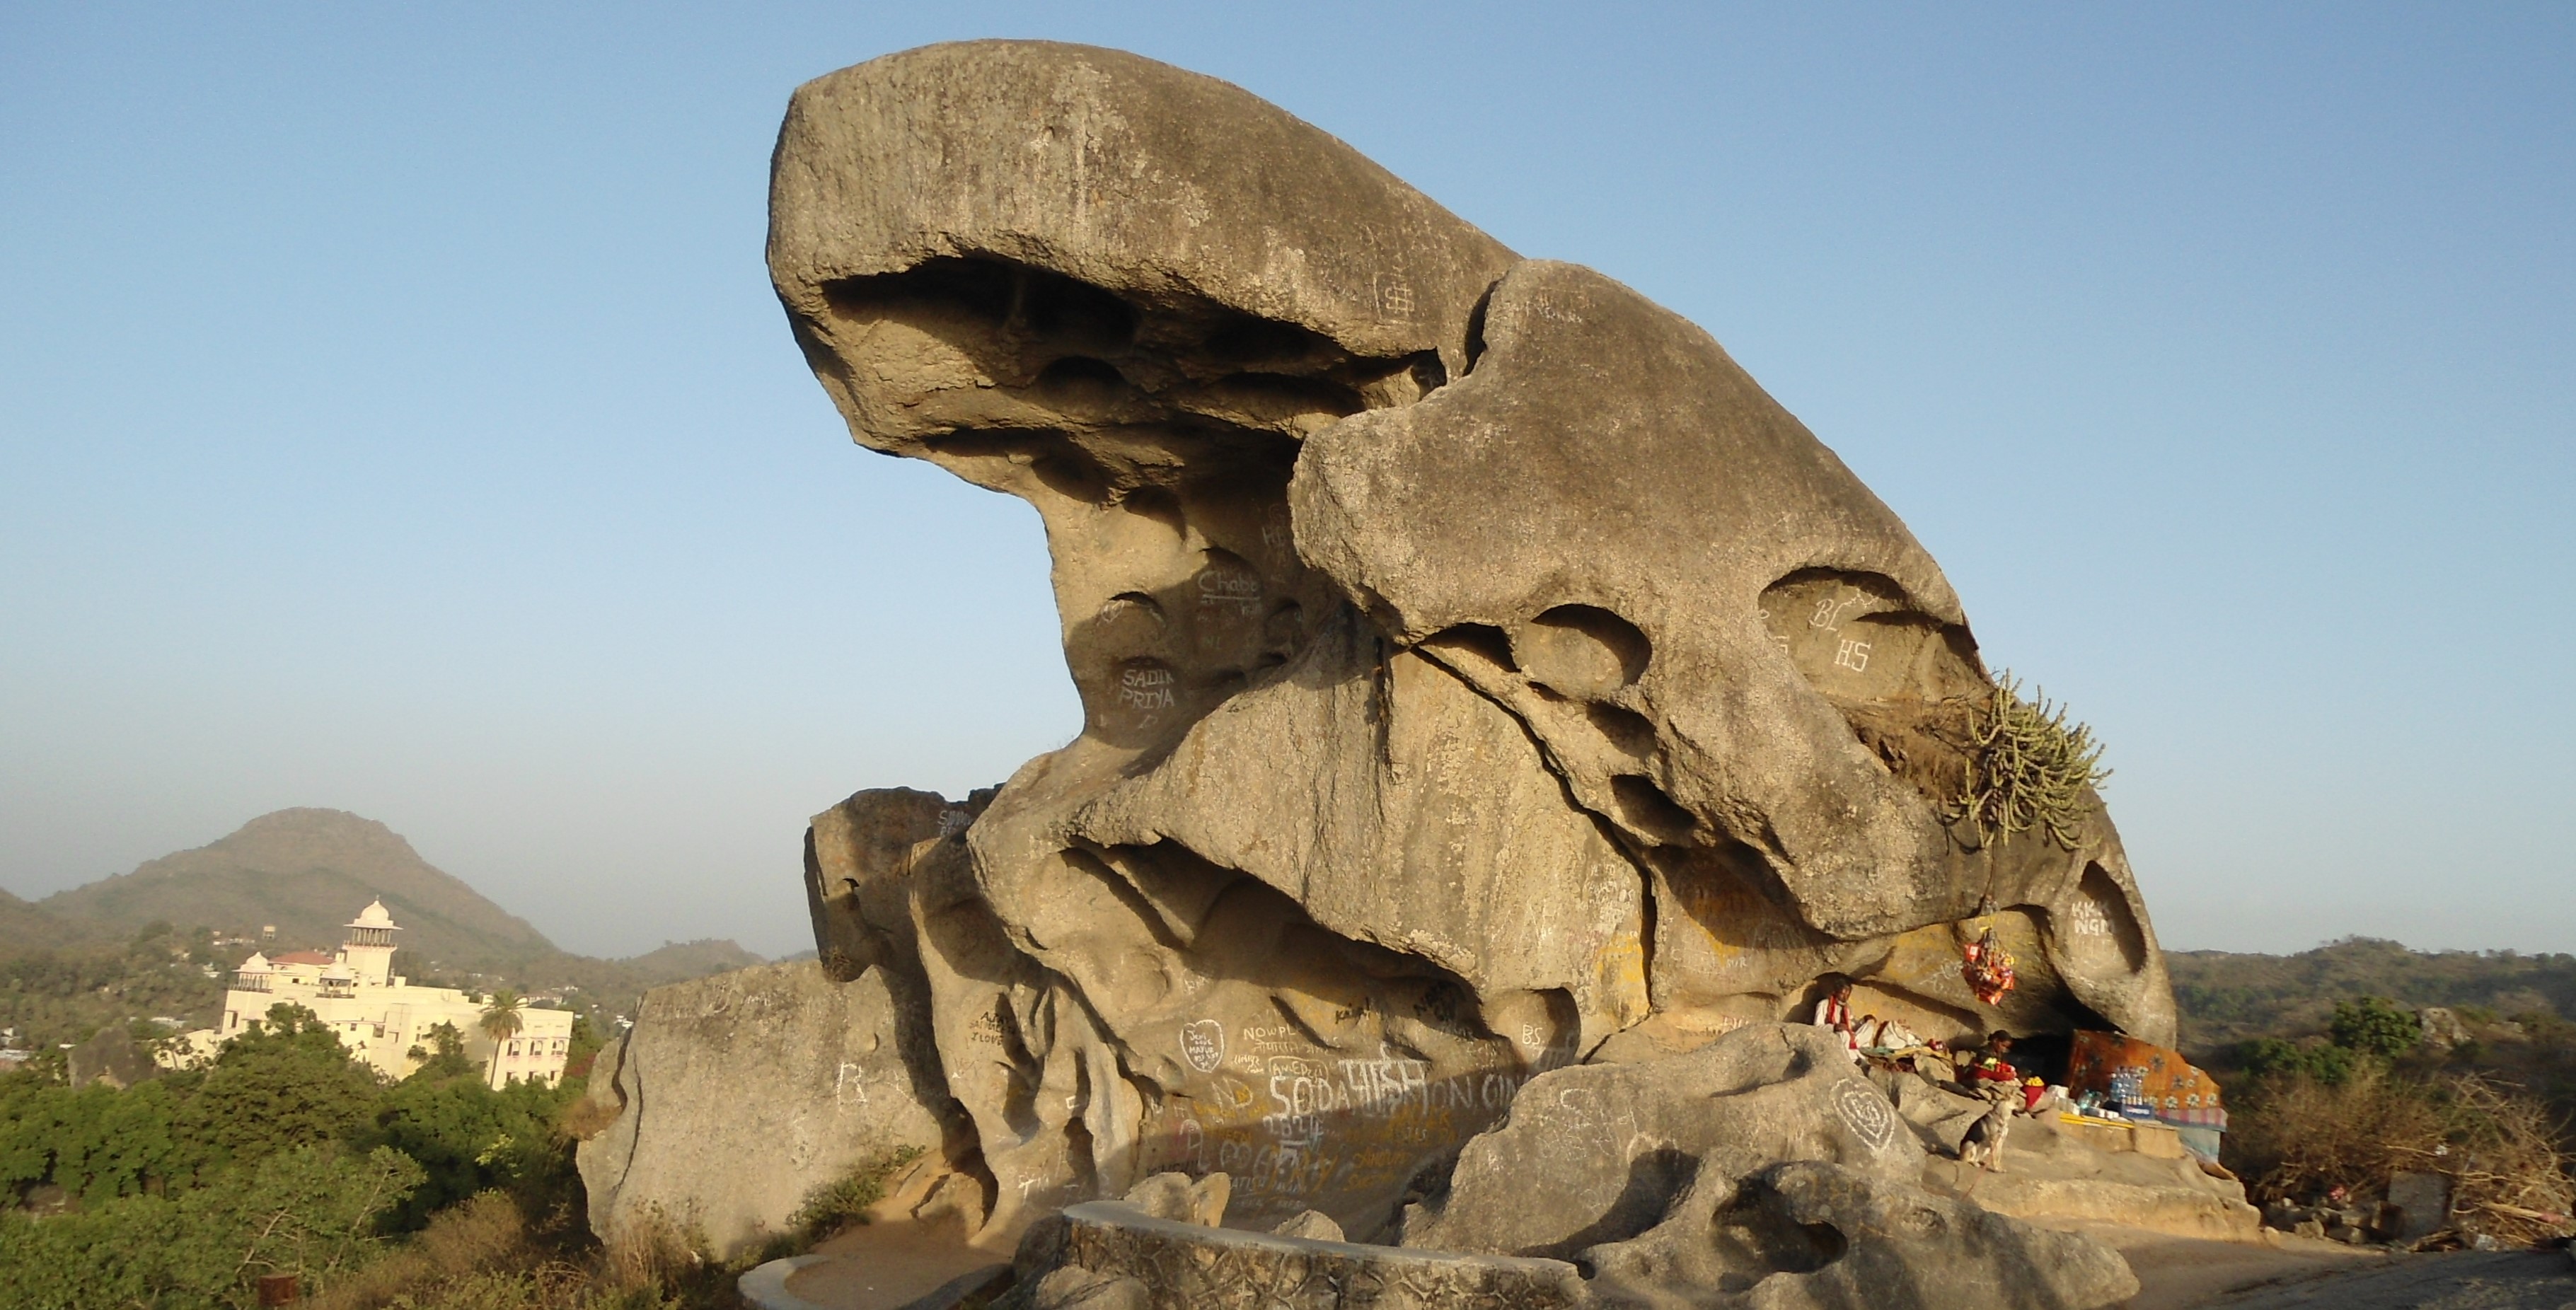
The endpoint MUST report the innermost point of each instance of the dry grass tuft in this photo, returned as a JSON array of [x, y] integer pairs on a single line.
[[588, 1118], [480, 1255], [483, 1232]]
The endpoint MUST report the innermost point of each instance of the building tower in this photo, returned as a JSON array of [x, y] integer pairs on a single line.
[[369, 951]]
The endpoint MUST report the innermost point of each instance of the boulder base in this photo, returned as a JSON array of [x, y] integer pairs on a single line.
[[741, 1094]]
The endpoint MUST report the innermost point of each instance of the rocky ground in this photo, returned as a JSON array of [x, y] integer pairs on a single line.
[[892, 1266]]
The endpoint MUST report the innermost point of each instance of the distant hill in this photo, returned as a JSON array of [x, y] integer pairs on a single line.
[[2226, 997], [75, 960], [680, 961], [23, 927], [307, 871]]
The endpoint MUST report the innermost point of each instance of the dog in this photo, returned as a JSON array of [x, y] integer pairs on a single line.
[[1984, 1143]]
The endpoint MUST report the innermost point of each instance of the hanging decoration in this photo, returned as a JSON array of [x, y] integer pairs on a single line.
[[1987, 967]]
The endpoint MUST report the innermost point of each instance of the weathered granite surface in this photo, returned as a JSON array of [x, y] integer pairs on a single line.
[[1492, 698], [741, 1093]]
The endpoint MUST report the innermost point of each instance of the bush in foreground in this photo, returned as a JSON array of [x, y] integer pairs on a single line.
[[311, 1211], [2298, 1138]]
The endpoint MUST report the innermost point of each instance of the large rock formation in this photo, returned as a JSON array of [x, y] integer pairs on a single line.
[[1482, 675]]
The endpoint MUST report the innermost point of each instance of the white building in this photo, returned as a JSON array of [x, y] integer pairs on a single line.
[[378, 1014]]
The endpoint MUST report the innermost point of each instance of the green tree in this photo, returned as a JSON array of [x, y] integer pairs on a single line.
[[501, 1019], [583, 1051], [469, 1138], [2272, 1057], [97, 1142], [445, 1057], [2372, 1026], [313, 1211], [113, 1143], [284, 1083]]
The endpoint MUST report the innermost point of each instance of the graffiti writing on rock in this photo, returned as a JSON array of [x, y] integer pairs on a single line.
[[1234, 589], [1203, 1044], [1145, 687], [1314, 1130]]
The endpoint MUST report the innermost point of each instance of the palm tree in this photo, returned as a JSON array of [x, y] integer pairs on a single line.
[[501, 1020]]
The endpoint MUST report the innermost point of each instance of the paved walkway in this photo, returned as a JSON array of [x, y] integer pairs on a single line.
[[884, 1266]]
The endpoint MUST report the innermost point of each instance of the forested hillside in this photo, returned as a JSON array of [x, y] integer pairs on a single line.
[[2228, 998]]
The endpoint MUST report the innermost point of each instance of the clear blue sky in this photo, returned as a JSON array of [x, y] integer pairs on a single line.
[[394, 415]]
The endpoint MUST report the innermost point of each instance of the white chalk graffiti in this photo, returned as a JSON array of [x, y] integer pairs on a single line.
[[1852, 655], [1867, 1113], [1394, 297], [1272, 1036], [1302, 1091], [1230, 589], [1771, 629], [849, 1086], [1829, 611], [1146, 687], [2089, 919], [1203, 1044]]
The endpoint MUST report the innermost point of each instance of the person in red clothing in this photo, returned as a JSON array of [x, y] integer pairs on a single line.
[[1835, 1012]]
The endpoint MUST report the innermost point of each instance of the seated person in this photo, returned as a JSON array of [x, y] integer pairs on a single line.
[[1834, 1012], [1989, 1072]]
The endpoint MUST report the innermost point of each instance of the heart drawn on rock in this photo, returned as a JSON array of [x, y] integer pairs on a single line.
[[1867, 1113], [1203, 1044]]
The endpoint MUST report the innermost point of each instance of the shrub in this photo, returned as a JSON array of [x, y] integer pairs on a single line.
[[2274, 1057], [845, 1201], [2374, 1027], [2028, 768], [587, 1117], [2297, 1138], [481, 1233]]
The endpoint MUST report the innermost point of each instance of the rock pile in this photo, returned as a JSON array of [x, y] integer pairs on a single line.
[[1498, 711]]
